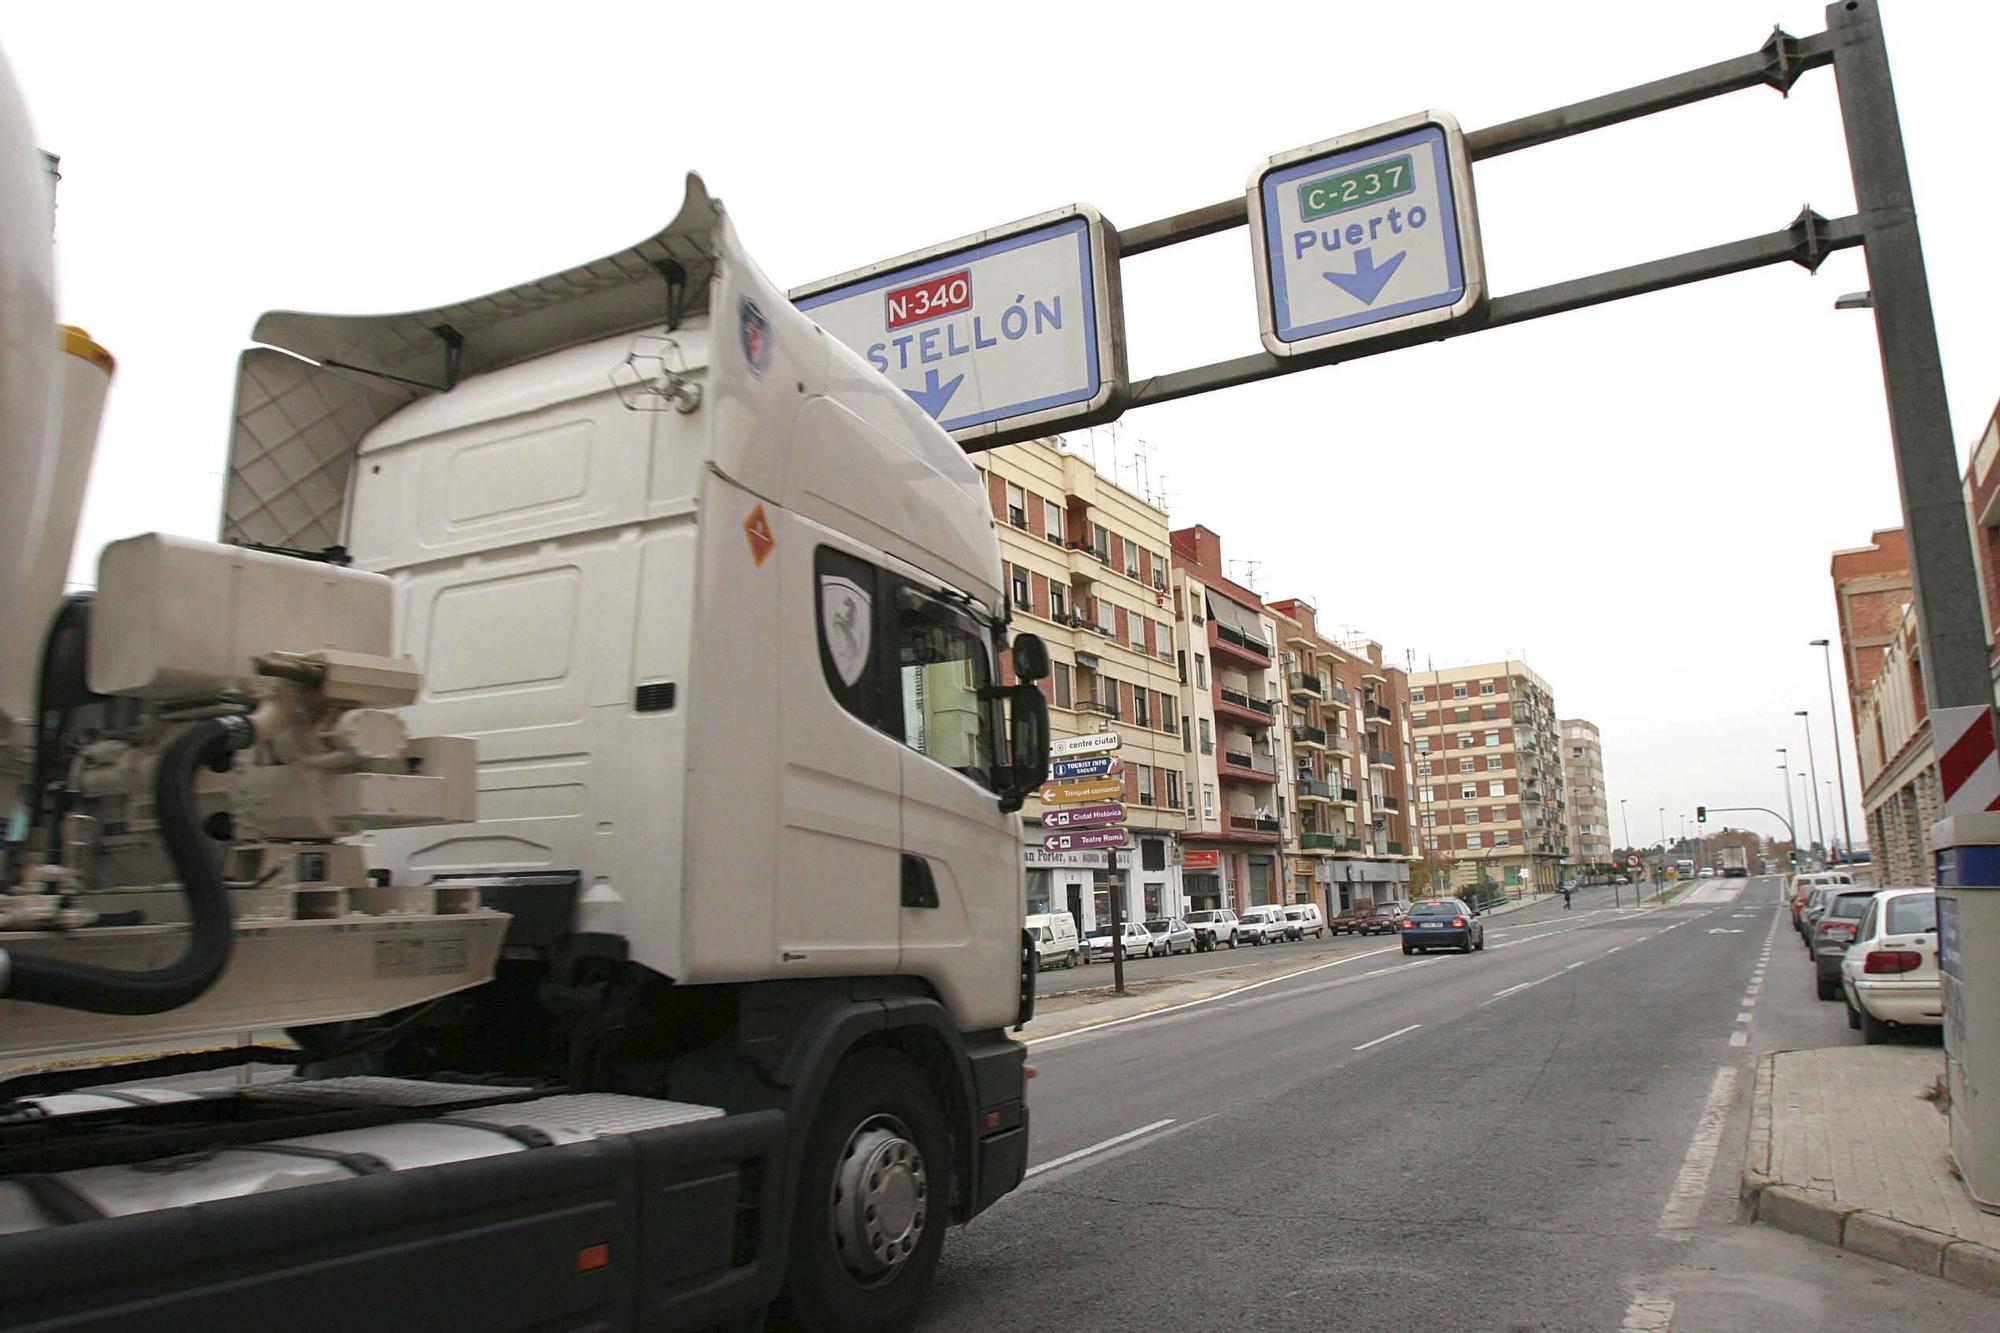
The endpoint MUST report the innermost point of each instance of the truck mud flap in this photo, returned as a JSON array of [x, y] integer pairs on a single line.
[[664, 1228]]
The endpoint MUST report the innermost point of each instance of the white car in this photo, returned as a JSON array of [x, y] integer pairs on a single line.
[[1264, 925], [1214, 927], [1306, 919], [1890, 973], [1138, 941], [1171, 935]]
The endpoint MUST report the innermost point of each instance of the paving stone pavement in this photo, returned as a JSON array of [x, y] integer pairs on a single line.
[[1846, 1149]]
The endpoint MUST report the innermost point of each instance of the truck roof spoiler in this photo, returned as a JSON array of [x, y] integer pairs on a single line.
[[317, 384]]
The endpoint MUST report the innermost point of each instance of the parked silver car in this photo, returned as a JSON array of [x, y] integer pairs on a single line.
[[1171, 935]]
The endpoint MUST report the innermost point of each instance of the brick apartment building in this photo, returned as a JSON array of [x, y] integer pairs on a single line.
[[1238, 748], [1586, 807], [1347, 838], [1489, 775]]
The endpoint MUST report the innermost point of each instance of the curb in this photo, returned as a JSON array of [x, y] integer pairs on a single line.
[[1817, 1215]]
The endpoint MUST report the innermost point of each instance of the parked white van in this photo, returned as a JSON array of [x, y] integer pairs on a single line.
[[1264, 925], [1056, 941], [1305, 919]]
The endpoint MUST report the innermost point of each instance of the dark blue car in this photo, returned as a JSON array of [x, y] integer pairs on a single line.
[[1442, 923]]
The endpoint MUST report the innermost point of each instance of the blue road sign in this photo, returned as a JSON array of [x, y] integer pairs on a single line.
[[1007, 328], [1365, 235], [1064, 770]]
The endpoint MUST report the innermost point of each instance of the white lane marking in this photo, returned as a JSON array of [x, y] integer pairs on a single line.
[[1391, 1037], [1571, 967], [1649, 1312], [1614, 948], [1744, 1017], [1095, 1148], [1642, 939], [1739, 1039], [1749, 1002], [1502, 994], [1691, 1184]]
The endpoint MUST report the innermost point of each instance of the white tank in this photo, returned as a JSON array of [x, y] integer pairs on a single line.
[[29, 448]]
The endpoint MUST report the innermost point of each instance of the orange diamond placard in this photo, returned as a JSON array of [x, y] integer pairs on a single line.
[[758, 529]]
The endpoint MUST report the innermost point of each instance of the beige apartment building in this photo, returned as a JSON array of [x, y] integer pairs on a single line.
[[1586, 808], [1489, 775], [1086, 567]]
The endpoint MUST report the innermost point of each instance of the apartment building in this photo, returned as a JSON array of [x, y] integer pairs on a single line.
[[1890, 715], [1586, 808], [1489, 775], [1086, 567], [1347, 838], [1237, 749]]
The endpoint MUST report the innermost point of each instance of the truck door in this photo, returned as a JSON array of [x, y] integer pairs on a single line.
[[960, 895]]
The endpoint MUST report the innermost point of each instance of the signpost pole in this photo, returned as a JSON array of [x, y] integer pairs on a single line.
[[1117, 930]]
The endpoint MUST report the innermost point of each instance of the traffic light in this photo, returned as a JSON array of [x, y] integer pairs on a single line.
[[1701, 814]]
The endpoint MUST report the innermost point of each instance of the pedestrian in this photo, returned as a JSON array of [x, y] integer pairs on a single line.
[[1566, 893]]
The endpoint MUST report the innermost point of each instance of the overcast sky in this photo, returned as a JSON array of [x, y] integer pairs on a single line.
[[1640, 499]]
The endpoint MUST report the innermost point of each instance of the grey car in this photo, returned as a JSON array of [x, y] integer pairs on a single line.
[[1833, 931]]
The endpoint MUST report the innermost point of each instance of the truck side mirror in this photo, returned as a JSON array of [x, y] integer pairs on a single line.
[[1027, 742], [1031, 657]]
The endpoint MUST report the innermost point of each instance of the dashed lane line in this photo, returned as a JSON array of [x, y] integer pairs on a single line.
[[1096, 1148], [1389, 1037]]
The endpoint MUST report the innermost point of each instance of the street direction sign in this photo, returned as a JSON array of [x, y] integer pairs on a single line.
[[1094, 766], [1103, 740], [1075, 793], [1366, 235], [1084, 840], [1084, 816], [993, 331]]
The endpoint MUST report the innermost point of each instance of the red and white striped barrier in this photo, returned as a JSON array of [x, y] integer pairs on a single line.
[[1967, 762]]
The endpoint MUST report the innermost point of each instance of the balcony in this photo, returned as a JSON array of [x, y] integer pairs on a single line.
[[1372, 675], [1387, 802], [1098, 706], [1085, 564], [1346, 796], [1246, 767], [1341, 696], [1320, 842], [1240, 707], [1395, 848], [1381, 759], [1376, 718], [1349, 845], [1309, 735], [1252, 824], [1382, 713], [1340, 741], [1307, 684], [1312, 789], [1233, 644]]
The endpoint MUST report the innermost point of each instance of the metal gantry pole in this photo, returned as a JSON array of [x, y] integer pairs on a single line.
[[1833, 711], [1950, 621]]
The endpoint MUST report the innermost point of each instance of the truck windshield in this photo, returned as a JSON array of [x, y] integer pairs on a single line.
[[944, 666]]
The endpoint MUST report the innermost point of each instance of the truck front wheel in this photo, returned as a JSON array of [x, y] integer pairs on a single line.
[[874, 1196]]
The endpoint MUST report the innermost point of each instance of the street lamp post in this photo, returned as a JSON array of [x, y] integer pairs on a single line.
[[1791, 817], [1846, 829], [1625, 815], [1812, 765]]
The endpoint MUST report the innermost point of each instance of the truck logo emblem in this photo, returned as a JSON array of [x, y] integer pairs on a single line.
[[758, 529], [756, 332], [844, 625]]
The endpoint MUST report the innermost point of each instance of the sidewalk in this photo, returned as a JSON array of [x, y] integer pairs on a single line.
[[1847, 1148]]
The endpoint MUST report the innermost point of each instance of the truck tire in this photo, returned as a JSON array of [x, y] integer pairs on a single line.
[[874, 1197]]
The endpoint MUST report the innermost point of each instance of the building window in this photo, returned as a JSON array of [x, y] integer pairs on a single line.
[[1420, 719], [1100, 543], [1417, 695], [1465, 765], [1472, 841], [1468, 790], [1492, 738], [1502, 838], [1135, 629], [1486, 687], [1142, 712], [1131, 559], [1423, 745], [1062, 679], [1424, 769], [1163, 637], [1496, 789], [1207, 740], [1058, 603], [1458, 691], [1208, 800], [1145, 784], [1022, 598], [1200, 672], [1166, 712], [1462, 714], [1187, 737], [1465, 740], [1107, 618], [1472, 814], [1159, 572], [1494, 763], [1173, 789], [1489, 712], [1017, 506], [1052, 524]]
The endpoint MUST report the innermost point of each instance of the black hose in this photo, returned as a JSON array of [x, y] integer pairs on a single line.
[[104, 990]]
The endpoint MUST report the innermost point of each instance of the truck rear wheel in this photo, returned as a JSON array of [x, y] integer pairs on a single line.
[[874, 1197]]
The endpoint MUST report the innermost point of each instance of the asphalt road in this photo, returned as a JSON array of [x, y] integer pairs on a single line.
[[1543, 1136]]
